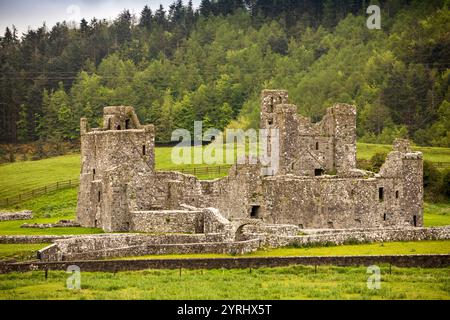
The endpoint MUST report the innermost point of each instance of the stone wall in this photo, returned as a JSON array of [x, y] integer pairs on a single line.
[[167, 221], [20, 215], [119, 245], [422, 261], [359, 236]]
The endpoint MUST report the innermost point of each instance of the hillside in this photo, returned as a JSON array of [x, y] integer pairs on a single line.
[[179, 65]]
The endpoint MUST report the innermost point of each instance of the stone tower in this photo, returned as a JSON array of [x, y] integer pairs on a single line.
[[110, 157]]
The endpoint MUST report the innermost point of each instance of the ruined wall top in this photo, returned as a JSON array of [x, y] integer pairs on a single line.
[[116, 118], [402, 145], [342, 109]]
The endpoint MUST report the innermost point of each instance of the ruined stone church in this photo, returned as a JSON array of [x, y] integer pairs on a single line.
[[317, 184]]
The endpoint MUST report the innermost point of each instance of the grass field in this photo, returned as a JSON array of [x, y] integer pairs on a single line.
[[47, 208], [20, 252], [295, 282], [436, 214], [26, 175]]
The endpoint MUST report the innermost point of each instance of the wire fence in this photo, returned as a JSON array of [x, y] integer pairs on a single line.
[[37, 192], [443, 165]]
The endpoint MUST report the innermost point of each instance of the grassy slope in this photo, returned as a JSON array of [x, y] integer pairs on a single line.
[[22, 176], [436, 214], [295, 282], [47, 208]]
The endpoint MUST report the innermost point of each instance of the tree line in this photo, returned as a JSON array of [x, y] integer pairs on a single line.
[[181, 64]]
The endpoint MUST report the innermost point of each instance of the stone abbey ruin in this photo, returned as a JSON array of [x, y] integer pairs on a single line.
[[316, 196], [121, 191]]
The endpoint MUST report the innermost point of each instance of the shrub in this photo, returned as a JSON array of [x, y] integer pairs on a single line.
[[446, 183], [377, 161], [432, 182]]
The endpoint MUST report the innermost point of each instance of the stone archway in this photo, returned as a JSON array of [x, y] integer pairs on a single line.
[[239, 225]]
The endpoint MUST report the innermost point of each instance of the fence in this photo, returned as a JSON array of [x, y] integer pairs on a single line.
[[442, 165], [205, 171], [38, 191]]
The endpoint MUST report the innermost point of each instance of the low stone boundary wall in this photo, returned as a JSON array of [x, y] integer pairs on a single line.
[[120, 245], [51, 253], [31, 239], [351, 236], [59, 224], [424, 261], [22, 215]]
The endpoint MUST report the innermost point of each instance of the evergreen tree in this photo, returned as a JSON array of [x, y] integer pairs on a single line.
[[146, 18]]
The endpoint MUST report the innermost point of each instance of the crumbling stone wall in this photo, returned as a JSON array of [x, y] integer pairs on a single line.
[[19, 215]]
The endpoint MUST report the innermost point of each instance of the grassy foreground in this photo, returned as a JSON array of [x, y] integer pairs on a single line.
[[295, 282]]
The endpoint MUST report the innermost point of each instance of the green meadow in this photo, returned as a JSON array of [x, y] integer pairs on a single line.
[[294, 282]]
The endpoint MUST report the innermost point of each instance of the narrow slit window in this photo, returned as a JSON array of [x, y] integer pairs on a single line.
[[384, 217], [99, 195], [143, 149], [381, 194], [317, 145], [396, 194]]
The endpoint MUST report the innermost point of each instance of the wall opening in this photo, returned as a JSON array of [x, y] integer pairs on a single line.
[[109, 124], [396, 194], [271, 105], [381, 194], [99, 196], [318, 172], [95, 223], [127, 124], [254, 214], [415, 221], [143, 149], [317, 145], [93, 174], [384, 217]]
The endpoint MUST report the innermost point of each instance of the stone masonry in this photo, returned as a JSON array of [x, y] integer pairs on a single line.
[[317, 184]]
